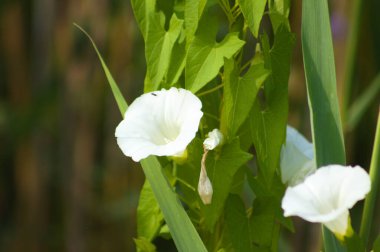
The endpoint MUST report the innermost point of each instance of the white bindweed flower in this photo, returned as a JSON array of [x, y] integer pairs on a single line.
[[160, 123], [326, 196], [297, 158], [214, 139]]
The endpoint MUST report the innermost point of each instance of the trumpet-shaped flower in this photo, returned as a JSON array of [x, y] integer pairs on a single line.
[[160, 123], [214, 139], [297, 158], [326, 196]]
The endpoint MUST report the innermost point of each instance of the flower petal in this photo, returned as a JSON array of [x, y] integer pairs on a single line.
[[297, 158], [159, 123], [326, 196]]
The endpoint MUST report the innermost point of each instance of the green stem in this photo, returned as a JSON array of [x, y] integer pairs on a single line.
[[211, 90], [370, 201], [352, 50]]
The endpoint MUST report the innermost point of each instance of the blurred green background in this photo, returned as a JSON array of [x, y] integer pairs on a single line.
[[64, 184]]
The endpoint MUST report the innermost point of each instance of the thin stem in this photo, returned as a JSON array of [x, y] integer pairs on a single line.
[[212, 116], [185, 184], [352, 49], [370, 201], [211, 90]]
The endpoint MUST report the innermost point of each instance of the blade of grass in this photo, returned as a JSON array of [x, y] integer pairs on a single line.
[[369, 204], [320, 75], [361, 105], [182, 230], [122, 104]]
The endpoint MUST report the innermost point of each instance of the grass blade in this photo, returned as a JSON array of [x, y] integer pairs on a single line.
[[121, 103], [182, 230], [370, 201], [319, 67]]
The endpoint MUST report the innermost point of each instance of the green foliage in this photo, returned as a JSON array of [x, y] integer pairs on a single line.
[[186, 45], [269, 117], [237, 225], [206, 56], [221, 168], [376, 244], [149, 216], [143, 245], [193, 12], [159, 47], [322, 94], [240, 94], [253, 12], [143, 11]]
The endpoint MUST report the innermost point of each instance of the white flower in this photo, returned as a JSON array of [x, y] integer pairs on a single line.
[[214, 139], [297, 158], [326, 196], [160, 123]]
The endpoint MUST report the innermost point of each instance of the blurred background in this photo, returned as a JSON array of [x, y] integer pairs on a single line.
[[64, 184]]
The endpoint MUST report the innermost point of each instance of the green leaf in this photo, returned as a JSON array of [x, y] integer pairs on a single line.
[[158, 49], [165, 232], [268, 123], [142, 11], [264, 228], [144, 245], [280, 6], [182, 230], [240, 94], [149, 216], [318, 57], [206, 56], [376, 244], [177, 64], [122, 104], [354, 243], [253, 12], [237, 224], [274, 193], [221, 169], [193, 12]]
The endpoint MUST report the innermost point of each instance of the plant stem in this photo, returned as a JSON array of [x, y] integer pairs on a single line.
[[352, 49], [370, 201], [211, 90]]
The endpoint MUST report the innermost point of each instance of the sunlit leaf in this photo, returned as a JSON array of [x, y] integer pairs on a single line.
[[144, 245], [240, 94], [253, 12], [193, 12], [206, 56], [159, 46], [142, 11]]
